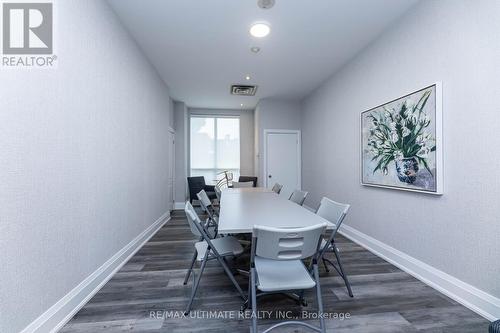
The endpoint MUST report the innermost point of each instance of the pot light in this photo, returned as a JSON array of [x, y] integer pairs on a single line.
[[260, 30], [241, 104], [255, 49], [247, 77]]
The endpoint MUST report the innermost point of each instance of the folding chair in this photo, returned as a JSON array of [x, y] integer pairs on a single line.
[[242, 184], [334, 212], [218, 193], [298, 197], [209, 249], [276, 266], [208, 207], [277, 188]]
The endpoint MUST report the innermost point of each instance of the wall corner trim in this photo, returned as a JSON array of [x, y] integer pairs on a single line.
[[63, 310], [484, 304]]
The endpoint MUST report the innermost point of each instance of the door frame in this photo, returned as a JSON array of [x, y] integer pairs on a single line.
[[299, 152]]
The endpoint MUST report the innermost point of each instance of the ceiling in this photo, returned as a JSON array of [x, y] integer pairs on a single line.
[[201, 47]]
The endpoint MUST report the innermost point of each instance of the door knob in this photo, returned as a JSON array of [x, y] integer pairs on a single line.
[[270, 176]]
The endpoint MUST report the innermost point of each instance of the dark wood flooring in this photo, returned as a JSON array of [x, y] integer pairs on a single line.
[[147, 295]]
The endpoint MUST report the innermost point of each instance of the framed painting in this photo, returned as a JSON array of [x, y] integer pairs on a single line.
[[401, 143]]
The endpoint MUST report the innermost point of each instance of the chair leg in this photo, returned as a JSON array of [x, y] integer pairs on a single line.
[[344, 275], [190, 268], [324, 264], [253, 296], [248, 303], [195, 287], [320, 300], [231, 277]]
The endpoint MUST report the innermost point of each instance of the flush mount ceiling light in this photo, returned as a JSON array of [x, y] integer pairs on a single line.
[[260, 30]]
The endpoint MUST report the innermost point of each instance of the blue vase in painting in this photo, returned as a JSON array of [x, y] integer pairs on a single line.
[[407, 169]]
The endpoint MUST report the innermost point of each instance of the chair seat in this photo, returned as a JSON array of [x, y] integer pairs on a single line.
[[224, 245], [276, 275]]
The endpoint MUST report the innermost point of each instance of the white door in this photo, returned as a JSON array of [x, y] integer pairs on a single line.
[[171, 168], [282, 160]]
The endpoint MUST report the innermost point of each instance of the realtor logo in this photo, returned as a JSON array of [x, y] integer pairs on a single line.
[[27, 28], [27, 38]]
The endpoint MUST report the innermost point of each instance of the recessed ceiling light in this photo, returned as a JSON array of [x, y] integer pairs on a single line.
[[260, 30], [241, 104], [265, 4], [255, 49], [247, 77]]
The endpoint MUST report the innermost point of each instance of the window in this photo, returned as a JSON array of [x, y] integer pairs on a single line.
[[215, 146]]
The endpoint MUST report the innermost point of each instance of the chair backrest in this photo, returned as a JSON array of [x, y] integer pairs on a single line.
[[298, 197], [277, 188], [206, 203], [193, 219], [244, 184], [333, 211], [218, 192], [195, 185], [286, 243], [252, 179], [204, 200]]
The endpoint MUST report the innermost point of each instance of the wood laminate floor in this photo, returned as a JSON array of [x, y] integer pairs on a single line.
[[147, 295]]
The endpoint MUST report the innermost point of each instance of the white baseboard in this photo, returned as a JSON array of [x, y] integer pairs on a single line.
[[179, 205], [473, 298], [60, 313]]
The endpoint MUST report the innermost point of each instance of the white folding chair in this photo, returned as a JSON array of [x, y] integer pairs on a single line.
[[242, 184], [298, 197], [209, 249], [334, 212], [277, 188], [276, 266], [207, 206], [218, 193]]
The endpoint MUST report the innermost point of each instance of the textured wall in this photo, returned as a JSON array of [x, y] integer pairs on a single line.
[[455, 42], [82, 157], [181, 122]]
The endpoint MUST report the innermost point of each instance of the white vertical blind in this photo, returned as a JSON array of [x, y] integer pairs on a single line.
[[215, 146]]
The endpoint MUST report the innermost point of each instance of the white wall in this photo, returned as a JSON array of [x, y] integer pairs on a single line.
[[181, 123], [273, 113], [246, 134], [82, 157], [456, 42]]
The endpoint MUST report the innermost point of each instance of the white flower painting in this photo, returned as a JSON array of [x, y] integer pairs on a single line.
[[401, 143]]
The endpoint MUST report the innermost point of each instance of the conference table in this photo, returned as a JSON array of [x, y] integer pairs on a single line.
[[242, 208]]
